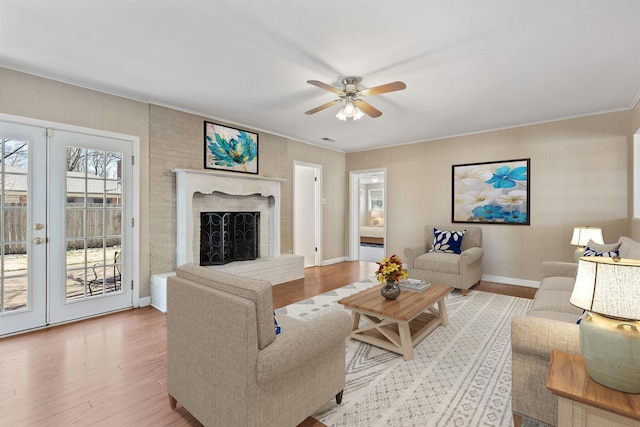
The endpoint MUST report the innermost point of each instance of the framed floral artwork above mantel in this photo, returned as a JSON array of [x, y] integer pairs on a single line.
[[491, 192], [230, 149]]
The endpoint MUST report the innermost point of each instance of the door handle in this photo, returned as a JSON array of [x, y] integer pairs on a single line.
[[38, 241], [38, 226]]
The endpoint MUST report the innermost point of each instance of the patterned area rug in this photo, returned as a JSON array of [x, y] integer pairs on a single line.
[[460, 374]]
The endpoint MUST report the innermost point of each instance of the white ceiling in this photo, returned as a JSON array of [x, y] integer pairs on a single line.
[[469, 65]]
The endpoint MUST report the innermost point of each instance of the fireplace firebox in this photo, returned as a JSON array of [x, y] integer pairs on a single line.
[[229, 236]]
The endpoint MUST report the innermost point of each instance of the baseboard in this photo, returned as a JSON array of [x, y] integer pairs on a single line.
[[143, 302], [511, 281], [333, 261]]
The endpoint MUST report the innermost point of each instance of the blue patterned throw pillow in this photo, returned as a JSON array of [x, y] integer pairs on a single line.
[[275, 323], [447, 241], [592, 252]]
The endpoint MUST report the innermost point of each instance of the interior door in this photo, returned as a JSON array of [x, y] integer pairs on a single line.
[[90, 246], [304, 216], [23, 255]]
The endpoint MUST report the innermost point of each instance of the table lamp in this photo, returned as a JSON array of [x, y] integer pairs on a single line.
[[376, 215], [582, 235], [609, 290]]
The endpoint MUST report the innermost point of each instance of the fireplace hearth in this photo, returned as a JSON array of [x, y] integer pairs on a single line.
[[229, 236]]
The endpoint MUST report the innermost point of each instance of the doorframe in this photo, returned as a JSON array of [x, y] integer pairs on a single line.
[[135, 208], [354, 210], [317, 206]]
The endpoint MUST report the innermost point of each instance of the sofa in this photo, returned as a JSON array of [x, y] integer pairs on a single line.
[[227, 366], [460, 271], [550, 324]]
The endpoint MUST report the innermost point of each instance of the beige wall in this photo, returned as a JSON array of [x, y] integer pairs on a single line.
[[33, 97], [580, 175], [177, 142]]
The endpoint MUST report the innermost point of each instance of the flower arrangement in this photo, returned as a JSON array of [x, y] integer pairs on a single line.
[[390, 269]]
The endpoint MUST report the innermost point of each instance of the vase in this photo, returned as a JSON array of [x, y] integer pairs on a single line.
[[390, 290]]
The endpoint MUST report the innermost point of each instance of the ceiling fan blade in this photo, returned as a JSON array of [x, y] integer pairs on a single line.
[[367, 109], [389, 87], [322, 107], [326, 87]]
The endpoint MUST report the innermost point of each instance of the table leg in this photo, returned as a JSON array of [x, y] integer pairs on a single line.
[[355, 320], [444, 319], [405, 340]]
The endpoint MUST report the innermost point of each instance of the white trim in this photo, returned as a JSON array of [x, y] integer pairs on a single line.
[[334, 261], [511, 281], [354, 210], [144, 302], [636, 175]]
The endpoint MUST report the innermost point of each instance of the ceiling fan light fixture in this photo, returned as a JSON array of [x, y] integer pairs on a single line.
[[358, 114], [349, 109], [341, 115]]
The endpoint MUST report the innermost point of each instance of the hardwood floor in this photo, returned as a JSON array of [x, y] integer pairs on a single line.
[[111, 370]]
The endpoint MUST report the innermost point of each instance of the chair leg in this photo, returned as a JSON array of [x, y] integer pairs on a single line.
[[517, 420], [339, 397], [172, 402]]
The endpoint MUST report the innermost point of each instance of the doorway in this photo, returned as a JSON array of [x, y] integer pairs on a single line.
[[367, 215], [66, 248], [307, 212]]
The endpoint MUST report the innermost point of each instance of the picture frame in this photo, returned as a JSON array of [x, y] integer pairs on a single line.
[[230, 149], [495, 192]]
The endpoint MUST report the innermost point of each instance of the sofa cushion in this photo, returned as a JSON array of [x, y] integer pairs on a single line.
[[552, 300], [556, 315], [629, 248], [257, 291], [438, 262], [557, 283], [448, 241]]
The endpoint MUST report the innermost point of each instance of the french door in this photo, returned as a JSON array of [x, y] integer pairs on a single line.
[[65, 230]]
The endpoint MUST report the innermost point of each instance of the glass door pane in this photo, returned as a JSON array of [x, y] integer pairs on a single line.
[[22, 228], [94, 223]]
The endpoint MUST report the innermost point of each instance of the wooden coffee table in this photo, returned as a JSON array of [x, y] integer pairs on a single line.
[[397, 325]]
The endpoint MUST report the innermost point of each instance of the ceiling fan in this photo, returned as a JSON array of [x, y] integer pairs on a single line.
[[354, 106]]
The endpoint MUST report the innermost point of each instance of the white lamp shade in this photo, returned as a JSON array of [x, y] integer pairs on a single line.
[[608, 287], [582, 235]]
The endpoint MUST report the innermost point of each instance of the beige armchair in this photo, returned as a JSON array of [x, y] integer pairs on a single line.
[[227, 366], [458, 270]]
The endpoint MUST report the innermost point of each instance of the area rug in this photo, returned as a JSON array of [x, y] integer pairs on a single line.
[[460, 374]]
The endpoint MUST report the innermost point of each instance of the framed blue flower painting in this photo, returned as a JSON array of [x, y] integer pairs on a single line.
[[230, 149], [491, 192]]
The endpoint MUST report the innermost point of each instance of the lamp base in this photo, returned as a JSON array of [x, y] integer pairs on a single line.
[[578, 253], [611, 350]]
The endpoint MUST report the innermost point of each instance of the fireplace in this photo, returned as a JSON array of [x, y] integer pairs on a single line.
[[229, 236], [210, 191], [200, 191]]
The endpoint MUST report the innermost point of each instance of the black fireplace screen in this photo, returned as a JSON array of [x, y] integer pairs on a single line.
[[229, 236]]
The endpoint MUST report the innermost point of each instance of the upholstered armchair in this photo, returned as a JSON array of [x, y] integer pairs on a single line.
[[227, 366], [461, 270]]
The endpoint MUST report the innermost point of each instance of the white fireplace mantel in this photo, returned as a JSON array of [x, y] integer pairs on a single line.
[[189, 182]]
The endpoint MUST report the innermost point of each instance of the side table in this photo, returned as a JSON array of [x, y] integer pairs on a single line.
[[583, 402]]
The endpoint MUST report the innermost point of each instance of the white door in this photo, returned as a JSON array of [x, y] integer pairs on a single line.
[[306, 218], [64, 229], [23, 219], [90, 244]]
